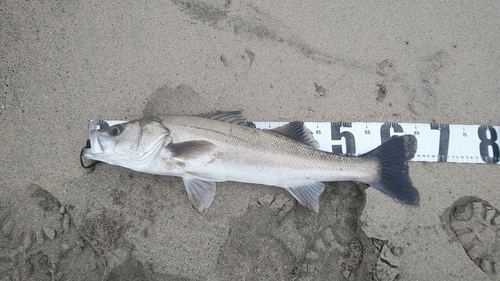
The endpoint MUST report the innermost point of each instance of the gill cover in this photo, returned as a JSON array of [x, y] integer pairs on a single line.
[[152, 132]]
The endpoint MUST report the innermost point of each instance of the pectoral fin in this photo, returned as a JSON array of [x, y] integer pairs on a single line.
[[200, 192], [190, 149], [308, 195]]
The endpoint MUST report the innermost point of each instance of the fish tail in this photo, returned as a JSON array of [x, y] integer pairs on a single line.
[[394, 178]]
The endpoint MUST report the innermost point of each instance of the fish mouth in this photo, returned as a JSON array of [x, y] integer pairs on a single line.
[[95, 143], [94, 146], [91, 150]]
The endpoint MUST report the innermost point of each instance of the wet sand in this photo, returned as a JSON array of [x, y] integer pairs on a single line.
[[64, 63]]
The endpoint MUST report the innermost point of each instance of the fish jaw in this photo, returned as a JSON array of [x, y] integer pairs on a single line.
[[100, 147], [108, 150], [140, 161], [95, 148], [95, 144]]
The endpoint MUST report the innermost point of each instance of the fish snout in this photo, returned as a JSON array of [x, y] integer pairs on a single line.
[[95, 143]]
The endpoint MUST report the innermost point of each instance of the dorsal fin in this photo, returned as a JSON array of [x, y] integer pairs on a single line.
[[234, 117], [297, 131]]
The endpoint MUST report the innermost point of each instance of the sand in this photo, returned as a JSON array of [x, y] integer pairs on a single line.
[[65, 62]]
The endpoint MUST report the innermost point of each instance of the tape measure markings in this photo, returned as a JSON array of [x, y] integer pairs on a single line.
[[436, 142]]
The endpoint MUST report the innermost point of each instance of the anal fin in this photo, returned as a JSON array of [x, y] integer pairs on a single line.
[[200, 192], [308, 195]]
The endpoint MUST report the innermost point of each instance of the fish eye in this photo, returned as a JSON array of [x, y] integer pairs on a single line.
[[115, 130]]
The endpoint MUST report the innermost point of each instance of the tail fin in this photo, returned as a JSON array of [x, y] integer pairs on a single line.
[[393, 157]]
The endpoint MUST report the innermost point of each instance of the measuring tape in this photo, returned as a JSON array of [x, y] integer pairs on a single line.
[[436, 142]]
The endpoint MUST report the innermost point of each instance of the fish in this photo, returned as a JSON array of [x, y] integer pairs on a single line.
[[223, 146]]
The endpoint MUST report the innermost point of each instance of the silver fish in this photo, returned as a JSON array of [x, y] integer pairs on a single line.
[[223, 146]]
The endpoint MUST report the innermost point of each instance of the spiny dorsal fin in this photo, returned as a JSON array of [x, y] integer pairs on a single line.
[[297, 131], [234, 117]]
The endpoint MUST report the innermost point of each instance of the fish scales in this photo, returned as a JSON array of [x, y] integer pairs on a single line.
[[223, 146], [267, 156]]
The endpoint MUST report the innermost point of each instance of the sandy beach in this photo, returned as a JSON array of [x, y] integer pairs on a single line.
[[64, 63]]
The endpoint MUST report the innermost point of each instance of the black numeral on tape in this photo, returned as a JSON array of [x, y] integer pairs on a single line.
[[444, 140], [385, 131], [489, 148], [486, 143], [350, 142]]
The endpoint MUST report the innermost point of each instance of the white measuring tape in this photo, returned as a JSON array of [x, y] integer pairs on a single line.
[[436, 142]]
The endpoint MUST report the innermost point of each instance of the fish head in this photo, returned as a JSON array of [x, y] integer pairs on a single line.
[[132, 144]]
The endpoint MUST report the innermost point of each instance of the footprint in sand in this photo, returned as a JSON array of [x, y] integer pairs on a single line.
[[278, 239], [38, 240], [476, 225]]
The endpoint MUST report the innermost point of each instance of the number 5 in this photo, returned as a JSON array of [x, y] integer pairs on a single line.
[[350, 144]]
